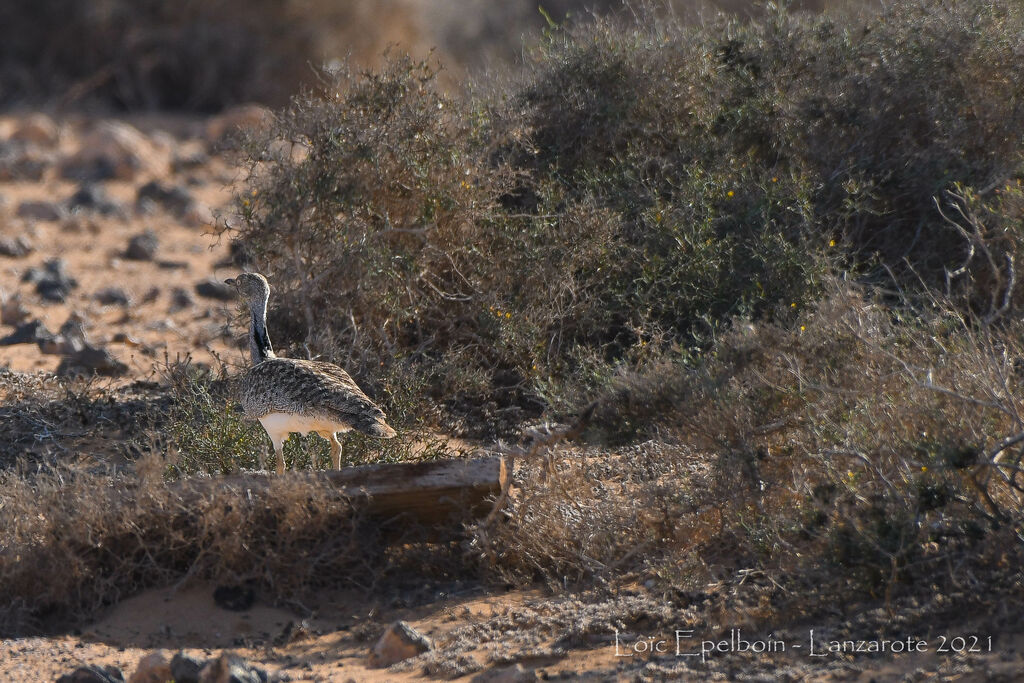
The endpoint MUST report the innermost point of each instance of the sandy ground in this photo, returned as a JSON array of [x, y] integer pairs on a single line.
[[494, 630], [332, 645]]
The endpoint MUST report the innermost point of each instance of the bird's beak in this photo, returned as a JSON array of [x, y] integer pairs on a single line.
[[230, 281]]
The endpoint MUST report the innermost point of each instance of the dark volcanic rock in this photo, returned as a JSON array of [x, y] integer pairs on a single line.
[[92, 197], [12, 310], [142, 247], [93, 674], [41, 211], [91, 360], [52, 280], [173, 198], [17, 162], [113, 296], [401, 641], [32, 332], [233, 669], [185, 668], [215, 289], [15, 247], [181, 298], [234, 598]]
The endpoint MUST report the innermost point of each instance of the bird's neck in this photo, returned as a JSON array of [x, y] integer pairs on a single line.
[[259, 342]]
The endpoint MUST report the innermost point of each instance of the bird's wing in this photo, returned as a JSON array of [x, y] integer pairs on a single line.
[[301, 386]]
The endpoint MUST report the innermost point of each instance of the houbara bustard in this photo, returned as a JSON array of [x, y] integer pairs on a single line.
[[290, 395]]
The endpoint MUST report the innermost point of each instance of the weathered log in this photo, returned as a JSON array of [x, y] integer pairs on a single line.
[[430, 493]]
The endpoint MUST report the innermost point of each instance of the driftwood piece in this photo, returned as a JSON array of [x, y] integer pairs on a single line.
[[430, 493]]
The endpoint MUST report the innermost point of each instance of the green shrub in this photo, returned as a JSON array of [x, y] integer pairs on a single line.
[[635, 189]]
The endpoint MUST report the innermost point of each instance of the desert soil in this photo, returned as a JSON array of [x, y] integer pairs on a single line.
[[481, 632]]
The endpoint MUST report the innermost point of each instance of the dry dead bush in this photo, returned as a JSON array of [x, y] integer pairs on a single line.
[[864, 451], [72, 542]]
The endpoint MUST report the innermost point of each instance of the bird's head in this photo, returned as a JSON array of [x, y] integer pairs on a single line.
[[251, 287]]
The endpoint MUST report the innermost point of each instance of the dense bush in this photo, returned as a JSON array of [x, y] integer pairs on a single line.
[[637, 187]]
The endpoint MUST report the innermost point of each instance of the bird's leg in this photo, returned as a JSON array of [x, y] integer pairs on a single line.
[[335, 452], [278, 441], [263, 459]]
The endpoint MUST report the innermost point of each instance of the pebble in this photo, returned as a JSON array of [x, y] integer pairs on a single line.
[[91, 360], [15, 247], [181, 298], [32, 332], [37, 129], [173, 198], [399, 642], [185, 668], [41, 211], [142, 247], [215, 289], [12, 310], [93, 198], [113, 296], [112, 151], [52, 280], [93, 674]]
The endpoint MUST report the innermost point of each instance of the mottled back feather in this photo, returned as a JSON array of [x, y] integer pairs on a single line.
[[312, 388]]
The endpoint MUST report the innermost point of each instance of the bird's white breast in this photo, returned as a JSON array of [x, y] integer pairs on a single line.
[[280, 425]]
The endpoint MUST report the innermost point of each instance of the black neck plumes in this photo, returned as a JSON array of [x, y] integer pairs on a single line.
[[259, 342]]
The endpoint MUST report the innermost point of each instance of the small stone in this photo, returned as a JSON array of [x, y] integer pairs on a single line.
[[215, 289], [70, 338], [234, 598], [180, 299], [185, 668], [112, 151], [189, 160], [77, 223], [229, 668], [142, 247], [153, 668], [52, 280], [152, 294], [12, 310], [93, 198], [41, 211], [399, 642], [173, 198], [20, 163], [93, 674], [91, 360], [37, 129], [15, 247], [113, 296], [32, 332]]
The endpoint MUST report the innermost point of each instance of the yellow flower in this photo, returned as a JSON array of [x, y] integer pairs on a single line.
[[802, 328], [924, 468], [775, 180], [508, 315], [730, 193], [793, 305], [831, 243]]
